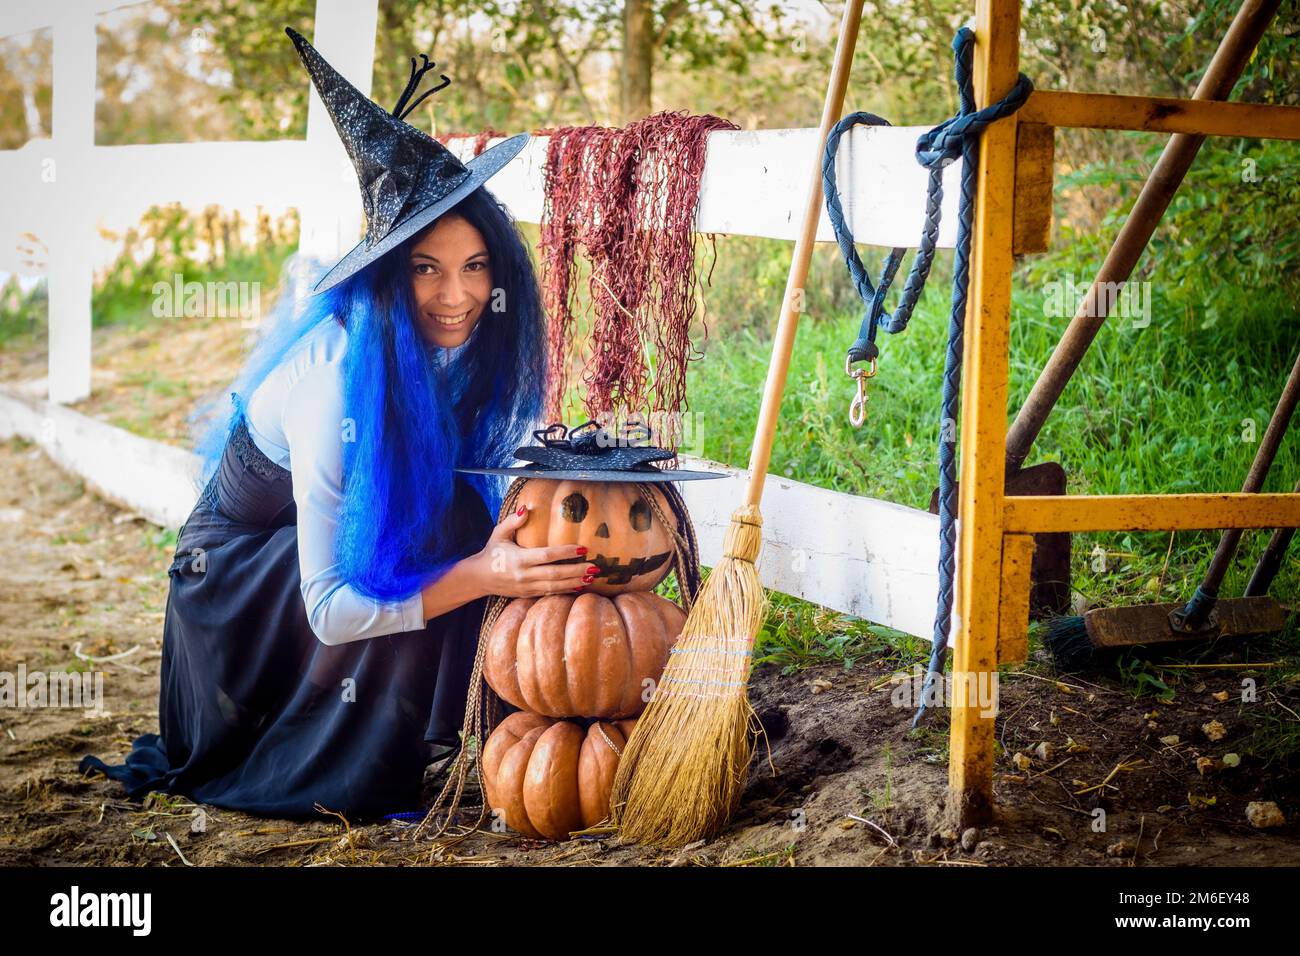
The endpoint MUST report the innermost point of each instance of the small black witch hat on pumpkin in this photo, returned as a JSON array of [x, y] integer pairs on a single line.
[[590, 452], [408, 179]]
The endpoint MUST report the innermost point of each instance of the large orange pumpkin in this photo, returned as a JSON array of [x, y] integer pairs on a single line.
[[623, 538], [584, 655], [547, 778]]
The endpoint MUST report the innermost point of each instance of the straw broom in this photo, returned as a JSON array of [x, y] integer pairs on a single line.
[[683, 770]]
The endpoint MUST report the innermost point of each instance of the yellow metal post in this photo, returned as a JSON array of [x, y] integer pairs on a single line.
[[984, 423], [995, 545], [1013, 611]]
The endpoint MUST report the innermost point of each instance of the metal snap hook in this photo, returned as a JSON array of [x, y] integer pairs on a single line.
[[858, 407]]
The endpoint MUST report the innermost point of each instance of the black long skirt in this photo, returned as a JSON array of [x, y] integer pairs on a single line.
[[255, 713]]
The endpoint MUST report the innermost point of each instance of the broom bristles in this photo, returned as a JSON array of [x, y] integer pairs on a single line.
[[1068, 641], [683, 769]]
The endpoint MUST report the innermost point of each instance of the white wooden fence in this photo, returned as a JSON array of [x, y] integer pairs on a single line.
[[859, 555]]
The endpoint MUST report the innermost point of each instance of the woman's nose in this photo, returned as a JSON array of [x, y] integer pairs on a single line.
[[451, 292]]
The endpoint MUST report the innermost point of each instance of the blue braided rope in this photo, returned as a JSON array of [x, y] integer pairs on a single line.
[[937, 158], [875, 317], [863, 348], [956, 138]]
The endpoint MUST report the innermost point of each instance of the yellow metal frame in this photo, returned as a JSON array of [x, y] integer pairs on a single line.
[[996, 540]]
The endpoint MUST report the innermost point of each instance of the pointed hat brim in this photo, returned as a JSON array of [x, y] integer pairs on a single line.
[[478, 171]]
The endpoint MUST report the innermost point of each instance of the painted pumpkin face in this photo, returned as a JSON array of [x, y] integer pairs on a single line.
[[623, 538]]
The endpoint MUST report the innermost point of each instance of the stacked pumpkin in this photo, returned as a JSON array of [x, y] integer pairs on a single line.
[[580, 667]]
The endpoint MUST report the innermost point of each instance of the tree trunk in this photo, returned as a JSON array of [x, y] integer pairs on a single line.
[[638, 48]]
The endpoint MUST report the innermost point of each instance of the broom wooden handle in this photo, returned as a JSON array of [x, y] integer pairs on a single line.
[[779, 365]]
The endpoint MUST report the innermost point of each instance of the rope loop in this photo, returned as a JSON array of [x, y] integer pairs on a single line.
[[943, 145], [935, 149], [864, 347]]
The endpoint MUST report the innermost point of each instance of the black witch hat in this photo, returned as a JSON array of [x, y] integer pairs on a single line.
[[591, 453], [408, 178]]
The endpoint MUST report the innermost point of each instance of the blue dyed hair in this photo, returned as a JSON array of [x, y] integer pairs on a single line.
[[414, 419]]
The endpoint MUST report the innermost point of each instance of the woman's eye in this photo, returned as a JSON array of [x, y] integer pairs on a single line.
[[476, 266]]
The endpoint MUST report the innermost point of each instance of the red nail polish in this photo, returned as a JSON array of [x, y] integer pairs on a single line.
[[593, 570], [582, 551], [588, 579], [521, 510]]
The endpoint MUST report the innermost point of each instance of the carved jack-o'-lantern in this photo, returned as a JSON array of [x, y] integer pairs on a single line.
[[619, 529]]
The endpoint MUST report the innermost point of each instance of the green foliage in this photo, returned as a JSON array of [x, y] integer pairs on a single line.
[[196, 70], [23, 314], [932, 741], [1227, 248], [163, 539], [797, 634], [513, 65], [1230, 235], [167, 243], [1274, 733], [1142, 679], [670, 589], [882, 799], [26, 90]]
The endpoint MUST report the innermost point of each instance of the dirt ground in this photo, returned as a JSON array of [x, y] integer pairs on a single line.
[[852, 785], [148, 379]]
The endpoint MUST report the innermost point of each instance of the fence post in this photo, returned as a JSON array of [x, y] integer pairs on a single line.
[[68, 173], [984, 425], [330, 222]]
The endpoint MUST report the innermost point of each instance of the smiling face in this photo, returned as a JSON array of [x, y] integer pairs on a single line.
[[451, 280]]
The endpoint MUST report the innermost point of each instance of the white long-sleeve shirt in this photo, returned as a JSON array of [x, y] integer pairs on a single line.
[[295, 417]]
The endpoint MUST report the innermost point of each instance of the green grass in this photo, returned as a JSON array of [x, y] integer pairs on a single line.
[[1142, 678], [162, 539], [1274, 734], [883, 799], [797, 634], [1168, 408], [932, 741]]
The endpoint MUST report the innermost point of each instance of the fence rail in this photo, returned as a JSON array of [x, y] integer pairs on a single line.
[[866, 557]]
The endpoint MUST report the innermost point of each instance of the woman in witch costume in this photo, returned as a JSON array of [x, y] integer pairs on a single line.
[[327, 589]]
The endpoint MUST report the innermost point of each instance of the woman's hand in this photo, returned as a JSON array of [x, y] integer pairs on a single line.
[[506, 569]]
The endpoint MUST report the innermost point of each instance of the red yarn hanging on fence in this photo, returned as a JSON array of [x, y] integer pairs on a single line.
[[626, 199]]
